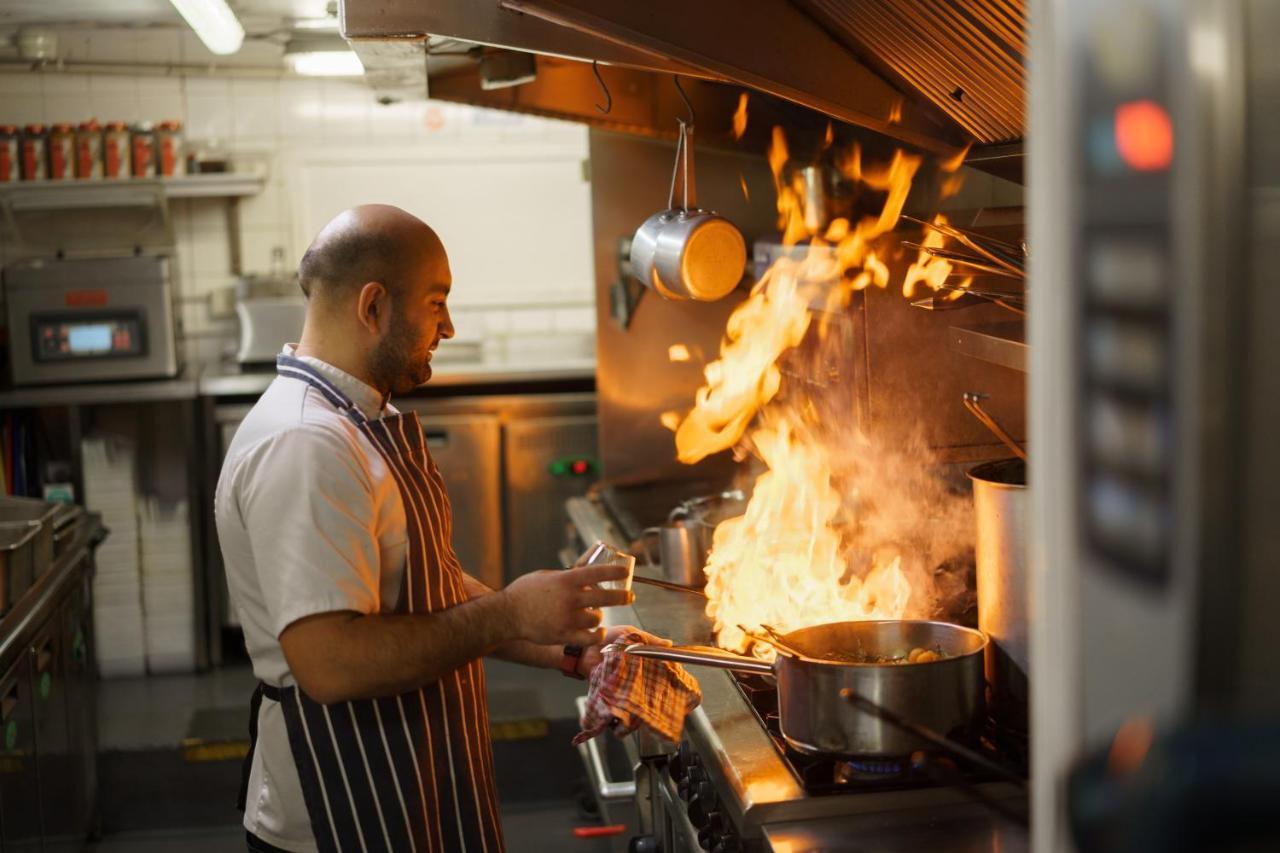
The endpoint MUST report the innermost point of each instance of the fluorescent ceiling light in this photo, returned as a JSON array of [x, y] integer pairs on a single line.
[[326, 63], [214, 22], [316, 55]]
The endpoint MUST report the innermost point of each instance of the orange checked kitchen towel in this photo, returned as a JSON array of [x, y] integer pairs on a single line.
[[627, 692]]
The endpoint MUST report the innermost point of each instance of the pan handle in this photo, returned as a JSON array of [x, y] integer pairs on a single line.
[[701, 656]]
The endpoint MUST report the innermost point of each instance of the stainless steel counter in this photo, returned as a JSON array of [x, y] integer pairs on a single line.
[[228, 381], [956, 829], [182, 387]]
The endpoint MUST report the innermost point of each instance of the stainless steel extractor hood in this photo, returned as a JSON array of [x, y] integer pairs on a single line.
[[935, 75]]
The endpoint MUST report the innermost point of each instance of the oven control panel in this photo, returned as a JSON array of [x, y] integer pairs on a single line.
[[62, 337]]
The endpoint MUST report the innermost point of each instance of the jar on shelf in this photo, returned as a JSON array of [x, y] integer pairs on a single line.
[[170, 159], [89, 150], [144, 150], [35, 152], [10, 154], [62, 152], [117, 141]]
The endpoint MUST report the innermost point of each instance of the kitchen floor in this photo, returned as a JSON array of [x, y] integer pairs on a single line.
[[170, 750]]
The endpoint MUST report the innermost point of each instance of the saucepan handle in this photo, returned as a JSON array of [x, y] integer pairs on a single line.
[[701, 656]]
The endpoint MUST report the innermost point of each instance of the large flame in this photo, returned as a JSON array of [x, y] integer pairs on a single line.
[[790, 559], [781, 564]]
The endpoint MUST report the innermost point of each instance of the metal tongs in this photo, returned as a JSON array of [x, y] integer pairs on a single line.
[[1007, 256], [1009, 301], [973, 402]]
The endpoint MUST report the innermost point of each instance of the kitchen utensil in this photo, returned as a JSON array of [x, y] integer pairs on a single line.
[[974, 263], [668, 585], [1003, 254], [945, 695], [17, 560], [684, 542], [686, 252], [973, 402], [601, 554], [968, 300], [683, 546], [775, 638], [1000, 509]]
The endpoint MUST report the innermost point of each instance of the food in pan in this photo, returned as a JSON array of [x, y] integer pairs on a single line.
[[916, 655]]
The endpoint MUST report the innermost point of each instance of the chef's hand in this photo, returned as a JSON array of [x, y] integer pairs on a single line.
[[562, 606], [593, 654]]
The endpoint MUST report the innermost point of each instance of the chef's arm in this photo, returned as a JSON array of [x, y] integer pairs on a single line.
[[541, 654], [517, 651], [344, 655]]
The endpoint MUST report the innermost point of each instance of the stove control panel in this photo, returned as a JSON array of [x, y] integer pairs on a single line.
[[706, 814]]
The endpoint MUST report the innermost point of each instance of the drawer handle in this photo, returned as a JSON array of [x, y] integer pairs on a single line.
[[436, 437], [605, 789]]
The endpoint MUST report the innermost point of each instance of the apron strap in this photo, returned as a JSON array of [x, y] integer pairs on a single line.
[[255, 705]]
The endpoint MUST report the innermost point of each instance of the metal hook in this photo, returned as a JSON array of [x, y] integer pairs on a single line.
[[608, 98], [689, 106]]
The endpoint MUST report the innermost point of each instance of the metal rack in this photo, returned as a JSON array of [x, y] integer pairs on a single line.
[[998, 343]]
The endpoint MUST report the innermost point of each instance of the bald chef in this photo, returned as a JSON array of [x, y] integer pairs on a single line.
[[370, 726]]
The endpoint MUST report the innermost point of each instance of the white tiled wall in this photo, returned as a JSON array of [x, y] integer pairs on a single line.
[[261, 121]]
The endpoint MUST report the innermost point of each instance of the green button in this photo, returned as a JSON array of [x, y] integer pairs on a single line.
[[11, 735], [46, 684]]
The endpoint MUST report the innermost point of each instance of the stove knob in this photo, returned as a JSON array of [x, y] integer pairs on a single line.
[[728, 843], [644, 844], [712, 835]]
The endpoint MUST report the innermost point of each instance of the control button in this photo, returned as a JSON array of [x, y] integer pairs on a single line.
[[1127, 274], [1128, 354], [1127, 521], [1127, 436]]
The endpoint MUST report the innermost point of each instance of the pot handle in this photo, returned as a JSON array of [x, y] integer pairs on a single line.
[[675, 173], [645, 535], [701, 656], [683, 177]]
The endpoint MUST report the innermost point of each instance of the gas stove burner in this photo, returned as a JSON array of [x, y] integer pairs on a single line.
[[847, 771], [824, 774]]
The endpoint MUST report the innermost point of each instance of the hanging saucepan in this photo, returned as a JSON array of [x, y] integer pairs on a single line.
[[685, 252], [943, 694]]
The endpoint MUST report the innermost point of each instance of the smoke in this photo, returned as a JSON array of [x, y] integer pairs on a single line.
[[898, 500]]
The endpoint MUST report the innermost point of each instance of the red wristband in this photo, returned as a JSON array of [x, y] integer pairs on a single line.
[[569, 663]]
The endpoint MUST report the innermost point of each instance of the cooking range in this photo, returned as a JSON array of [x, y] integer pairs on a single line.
[[734, 784]]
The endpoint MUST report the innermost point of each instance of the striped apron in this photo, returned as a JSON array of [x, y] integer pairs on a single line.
[[412, 772]]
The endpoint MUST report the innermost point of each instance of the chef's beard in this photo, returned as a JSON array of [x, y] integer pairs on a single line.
[[394, 364]]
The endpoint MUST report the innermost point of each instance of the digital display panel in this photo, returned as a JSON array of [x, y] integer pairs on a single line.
[[89, 338], [63, 337]]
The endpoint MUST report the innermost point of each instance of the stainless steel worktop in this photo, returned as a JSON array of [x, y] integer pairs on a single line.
[[229, 381]]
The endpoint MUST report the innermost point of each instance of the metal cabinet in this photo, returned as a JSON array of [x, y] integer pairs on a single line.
[[20, 823], [56, 771], [82, 729], [540, 476], [468, 451]]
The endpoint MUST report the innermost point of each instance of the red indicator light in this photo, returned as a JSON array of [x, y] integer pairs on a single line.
[[1144, 136], [579, 466]]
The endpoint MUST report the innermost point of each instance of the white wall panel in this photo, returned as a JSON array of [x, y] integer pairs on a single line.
[[516, 220]]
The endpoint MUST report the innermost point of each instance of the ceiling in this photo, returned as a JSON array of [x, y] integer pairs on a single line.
[[254, 13]]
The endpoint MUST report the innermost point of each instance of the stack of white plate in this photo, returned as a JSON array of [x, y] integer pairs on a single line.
[[111, 489], [167, 587]]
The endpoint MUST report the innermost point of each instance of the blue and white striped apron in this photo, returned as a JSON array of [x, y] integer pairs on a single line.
[[412, 772]]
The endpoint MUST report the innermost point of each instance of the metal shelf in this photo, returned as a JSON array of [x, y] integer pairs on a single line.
[[998, 343], [135, 192]]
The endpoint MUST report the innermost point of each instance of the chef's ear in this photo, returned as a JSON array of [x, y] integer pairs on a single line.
[[373, 307]]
